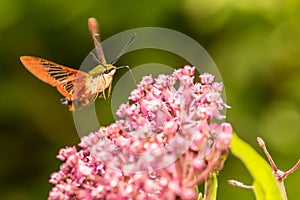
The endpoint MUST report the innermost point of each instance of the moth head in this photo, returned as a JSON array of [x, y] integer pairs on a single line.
[[103, 69], [110, 69]]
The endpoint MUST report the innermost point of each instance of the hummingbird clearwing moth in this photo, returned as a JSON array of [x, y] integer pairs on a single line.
[[78, 87]]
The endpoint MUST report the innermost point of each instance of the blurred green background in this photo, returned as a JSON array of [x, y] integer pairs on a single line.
[[254, 43]]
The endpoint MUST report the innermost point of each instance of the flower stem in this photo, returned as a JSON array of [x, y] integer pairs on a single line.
[[211, 185]]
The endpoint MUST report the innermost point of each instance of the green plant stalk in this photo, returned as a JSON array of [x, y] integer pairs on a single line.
[[211, 185]]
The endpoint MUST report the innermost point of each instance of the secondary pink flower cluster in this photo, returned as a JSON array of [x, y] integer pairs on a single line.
[[165, 144]]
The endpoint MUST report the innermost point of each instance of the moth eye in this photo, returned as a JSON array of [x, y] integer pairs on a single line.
[[109, 70]]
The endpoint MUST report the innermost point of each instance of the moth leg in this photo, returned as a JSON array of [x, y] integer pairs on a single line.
[[103, 94], [103, 91], [68, 102], [109, 90], [72, 107]]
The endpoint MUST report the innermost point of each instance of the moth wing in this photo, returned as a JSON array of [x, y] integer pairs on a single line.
[[61, 77]]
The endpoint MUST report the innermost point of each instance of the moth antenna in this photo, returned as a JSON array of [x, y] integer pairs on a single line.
[[124, 49], [97, 60], [130, 71]]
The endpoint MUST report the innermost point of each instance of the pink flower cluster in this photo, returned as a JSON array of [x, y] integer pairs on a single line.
[[167, 142]]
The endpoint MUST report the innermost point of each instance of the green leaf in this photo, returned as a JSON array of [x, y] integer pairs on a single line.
[[265, 184]]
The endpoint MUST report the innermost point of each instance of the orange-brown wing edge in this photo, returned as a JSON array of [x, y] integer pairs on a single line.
[[59, 76], [35, 66]]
